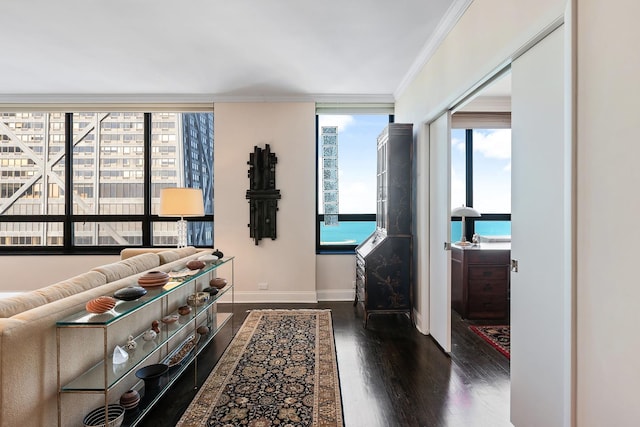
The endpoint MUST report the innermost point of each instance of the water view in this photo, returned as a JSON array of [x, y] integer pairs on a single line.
[[354, 232]]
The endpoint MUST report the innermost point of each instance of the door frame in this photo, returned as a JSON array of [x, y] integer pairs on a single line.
[[569, 281]]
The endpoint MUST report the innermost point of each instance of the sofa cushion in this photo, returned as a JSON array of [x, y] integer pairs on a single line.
[[77, 284], [186, 251], [131, 252], [168, 256], [142, 262], [19, 303], [115, 271]]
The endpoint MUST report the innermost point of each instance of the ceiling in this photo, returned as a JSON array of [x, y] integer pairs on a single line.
[[214, 49]]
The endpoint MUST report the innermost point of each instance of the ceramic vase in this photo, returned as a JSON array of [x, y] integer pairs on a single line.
[[130, 400]]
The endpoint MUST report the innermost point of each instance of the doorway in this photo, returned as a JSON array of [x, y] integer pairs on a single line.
[[542, 236]]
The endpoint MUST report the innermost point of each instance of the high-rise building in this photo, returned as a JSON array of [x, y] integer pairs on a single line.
[[330, 187], [107, 175]]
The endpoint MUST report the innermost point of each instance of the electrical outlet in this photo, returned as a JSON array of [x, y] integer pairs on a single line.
[[263, 286]]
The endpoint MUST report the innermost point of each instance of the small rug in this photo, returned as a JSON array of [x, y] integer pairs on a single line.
[[279, 370], [499, 336]]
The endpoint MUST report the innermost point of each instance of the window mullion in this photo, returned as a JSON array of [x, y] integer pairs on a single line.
[[68, 183], [146, 222], [470, 223]]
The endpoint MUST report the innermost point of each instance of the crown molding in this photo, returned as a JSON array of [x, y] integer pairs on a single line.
[[450, 19], [186, 99], [104, 98], [488, 104]]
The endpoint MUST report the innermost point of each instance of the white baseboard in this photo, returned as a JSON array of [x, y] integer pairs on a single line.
[[418, 319], [336, 295], [275, 297]]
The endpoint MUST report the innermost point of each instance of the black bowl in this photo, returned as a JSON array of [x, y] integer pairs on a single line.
[[151, 374], [130, 293], [211, 290]]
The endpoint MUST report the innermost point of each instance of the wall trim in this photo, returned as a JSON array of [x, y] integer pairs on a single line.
[[417, 318], [42, 100], [450, 19], [336, 295], [275, 297]]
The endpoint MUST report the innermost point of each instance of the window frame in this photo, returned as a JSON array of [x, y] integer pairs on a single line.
[[471, 221], [341, 249], [69, 219]]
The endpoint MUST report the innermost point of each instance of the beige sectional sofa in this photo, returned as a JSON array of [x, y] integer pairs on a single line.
[[28, 350]]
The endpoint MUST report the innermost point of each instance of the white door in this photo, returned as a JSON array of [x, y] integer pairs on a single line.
[[440, 230], [541, 238]]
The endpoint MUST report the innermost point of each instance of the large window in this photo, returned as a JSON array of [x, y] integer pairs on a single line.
[[347, 158], [114, 164], [481, 173]]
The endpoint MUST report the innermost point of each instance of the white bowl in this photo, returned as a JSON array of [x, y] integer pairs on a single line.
[[208, 258]]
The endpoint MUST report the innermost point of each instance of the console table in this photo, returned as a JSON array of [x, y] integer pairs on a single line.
[[110, 379], [480, 280]]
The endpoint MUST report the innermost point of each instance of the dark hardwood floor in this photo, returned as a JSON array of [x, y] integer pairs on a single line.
[[390, 374]]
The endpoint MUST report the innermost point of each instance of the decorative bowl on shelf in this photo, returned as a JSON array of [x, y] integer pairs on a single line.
[[182, 351], [195, 264], [130, 399], [183, 310], [130, 293], [96, 417], [197, 299], [218, 282], [208, 259], [100, 305], [153, 278], [211, 290], [151, 375], [218, 253], [171, 318]]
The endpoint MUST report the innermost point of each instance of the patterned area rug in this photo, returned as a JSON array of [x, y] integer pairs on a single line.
[[499, 336], [279, 370]]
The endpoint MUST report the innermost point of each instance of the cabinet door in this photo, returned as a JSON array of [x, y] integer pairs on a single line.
[[487, 292], [458, 285]]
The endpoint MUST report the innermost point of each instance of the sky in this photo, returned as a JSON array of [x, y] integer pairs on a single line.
[[357, 141], [491, 169]]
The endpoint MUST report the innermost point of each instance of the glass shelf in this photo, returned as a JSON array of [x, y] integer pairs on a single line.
[[124, 308], [149, 399], [93, 379], [104, 376]]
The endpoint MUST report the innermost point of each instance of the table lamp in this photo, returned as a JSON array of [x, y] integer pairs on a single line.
[[464, 211], [181, 202]]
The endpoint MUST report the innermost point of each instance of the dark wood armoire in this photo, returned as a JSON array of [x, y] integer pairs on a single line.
[[384, 259]]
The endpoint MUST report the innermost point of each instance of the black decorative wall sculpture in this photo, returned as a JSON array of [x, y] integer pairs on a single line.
[[262, 193]]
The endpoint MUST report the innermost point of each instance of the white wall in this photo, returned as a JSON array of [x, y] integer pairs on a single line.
[[287, 264], [26, 273], [608, 289], [335, 277], [608, 64], [487, 35], [485, 39]]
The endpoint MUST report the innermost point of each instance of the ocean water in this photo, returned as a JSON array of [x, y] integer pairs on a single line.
[[346, 232], [354, 232], [484, 228]]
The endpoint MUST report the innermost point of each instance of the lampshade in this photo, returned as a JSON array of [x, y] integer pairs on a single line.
[[464, 211], [181, 202]]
